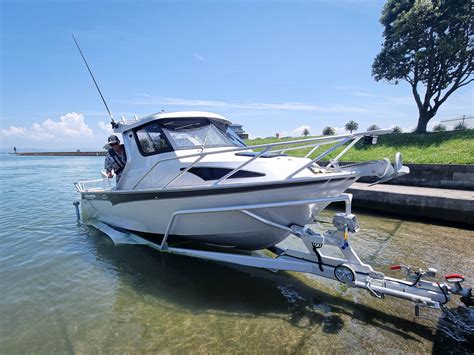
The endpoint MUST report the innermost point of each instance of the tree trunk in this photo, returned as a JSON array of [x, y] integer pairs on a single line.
[[423, 120]]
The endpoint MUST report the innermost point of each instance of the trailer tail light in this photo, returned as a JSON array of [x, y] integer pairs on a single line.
[[454, 278]]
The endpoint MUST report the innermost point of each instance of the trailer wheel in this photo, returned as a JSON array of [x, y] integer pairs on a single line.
[[345, 274]]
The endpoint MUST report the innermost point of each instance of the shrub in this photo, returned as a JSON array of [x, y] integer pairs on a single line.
[[329, 131], [460, 126], [439, 128]]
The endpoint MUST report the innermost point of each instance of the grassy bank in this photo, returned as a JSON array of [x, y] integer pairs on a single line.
[[454, 147]]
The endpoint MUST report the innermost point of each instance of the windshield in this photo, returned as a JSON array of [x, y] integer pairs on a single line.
[[189, 133]]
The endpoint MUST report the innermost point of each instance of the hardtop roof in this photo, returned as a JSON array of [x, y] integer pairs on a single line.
[[125, 126]]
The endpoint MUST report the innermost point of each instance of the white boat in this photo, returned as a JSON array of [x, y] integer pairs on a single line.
[[193, 161], [188, 175]]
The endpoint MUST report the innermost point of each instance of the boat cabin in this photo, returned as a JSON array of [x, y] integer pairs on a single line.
[[163, 137]]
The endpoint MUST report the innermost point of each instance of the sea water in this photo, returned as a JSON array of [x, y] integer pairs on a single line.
[[65, 288]]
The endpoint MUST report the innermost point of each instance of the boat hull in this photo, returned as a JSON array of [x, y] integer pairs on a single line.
[[151, 212]]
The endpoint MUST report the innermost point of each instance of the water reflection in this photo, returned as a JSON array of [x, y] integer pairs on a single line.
[[66, 289], [212, 289]]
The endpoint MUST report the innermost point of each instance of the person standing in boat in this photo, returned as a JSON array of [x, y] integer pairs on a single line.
[[116, 158]]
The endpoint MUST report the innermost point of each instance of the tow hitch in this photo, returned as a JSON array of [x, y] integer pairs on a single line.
[[453, 283]]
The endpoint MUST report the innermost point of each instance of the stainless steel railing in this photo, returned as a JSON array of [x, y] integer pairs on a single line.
[[338, 141], [278, 147]]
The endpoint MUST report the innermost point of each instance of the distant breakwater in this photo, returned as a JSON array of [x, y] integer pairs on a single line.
[[64, 154]]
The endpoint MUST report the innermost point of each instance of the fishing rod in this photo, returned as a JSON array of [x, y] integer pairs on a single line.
[[113, 123]]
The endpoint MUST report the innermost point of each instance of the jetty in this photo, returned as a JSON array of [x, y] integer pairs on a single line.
[[64, 154]]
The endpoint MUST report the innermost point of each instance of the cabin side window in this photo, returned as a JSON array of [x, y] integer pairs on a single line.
[[151, 140]]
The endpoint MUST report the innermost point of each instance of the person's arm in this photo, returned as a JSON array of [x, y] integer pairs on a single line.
[[108, 166]]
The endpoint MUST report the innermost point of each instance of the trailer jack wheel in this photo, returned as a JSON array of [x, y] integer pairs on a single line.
[[345, 274]]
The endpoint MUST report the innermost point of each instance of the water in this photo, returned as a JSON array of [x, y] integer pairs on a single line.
[[66, 288]]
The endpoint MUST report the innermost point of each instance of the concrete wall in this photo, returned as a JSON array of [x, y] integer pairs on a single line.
[[445, 176], [438, 208]]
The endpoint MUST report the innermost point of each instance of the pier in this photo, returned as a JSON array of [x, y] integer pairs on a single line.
[[64, 154]]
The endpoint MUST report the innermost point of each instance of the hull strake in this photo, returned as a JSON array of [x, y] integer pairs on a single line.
[[230, 228]]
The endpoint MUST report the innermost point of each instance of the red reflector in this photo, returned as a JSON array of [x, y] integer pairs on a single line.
[[395, 267]]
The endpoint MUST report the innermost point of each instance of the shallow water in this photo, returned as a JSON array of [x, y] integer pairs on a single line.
[[66, 288]]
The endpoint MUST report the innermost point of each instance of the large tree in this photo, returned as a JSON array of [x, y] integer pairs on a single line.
[[429, 44]]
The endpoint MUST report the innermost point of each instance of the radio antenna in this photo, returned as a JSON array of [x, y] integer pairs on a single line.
[[114, 125]]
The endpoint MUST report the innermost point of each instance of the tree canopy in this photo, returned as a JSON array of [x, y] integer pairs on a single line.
[[351, 126], [439, 128], [373, 127], [429, 44], [460, 126], [329, 131]]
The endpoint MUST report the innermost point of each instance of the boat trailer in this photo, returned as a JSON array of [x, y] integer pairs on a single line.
[[420, 286]]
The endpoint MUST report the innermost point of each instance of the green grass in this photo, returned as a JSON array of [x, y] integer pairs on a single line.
[[453, 147]]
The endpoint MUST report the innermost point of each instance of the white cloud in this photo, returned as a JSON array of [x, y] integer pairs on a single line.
[[298, 131], [69, 131], [340, 130], [106, 126], [288, 106], [71, 125], [197, 56]]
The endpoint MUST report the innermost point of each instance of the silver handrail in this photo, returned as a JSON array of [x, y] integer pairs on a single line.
[[343, 197], [229, 174], [319, 157], [184, 171], [317, 141], [344, 151]]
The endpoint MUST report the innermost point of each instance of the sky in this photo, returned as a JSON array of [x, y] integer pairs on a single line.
[[272, 66]]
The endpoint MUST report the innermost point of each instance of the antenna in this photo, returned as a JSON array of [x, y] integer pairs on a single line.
[[114, 125]]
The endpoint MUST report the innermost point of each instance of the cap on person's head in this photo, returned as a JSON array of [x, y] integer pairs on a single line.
[[113, 139]]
